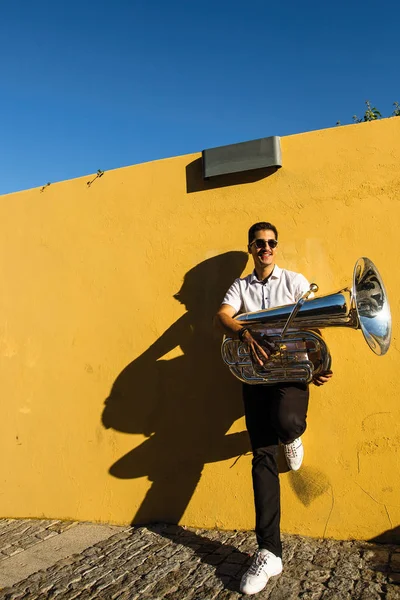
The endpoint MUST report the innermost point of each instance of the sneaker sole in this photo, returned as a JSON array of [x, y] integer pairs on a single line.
[[266, 583]]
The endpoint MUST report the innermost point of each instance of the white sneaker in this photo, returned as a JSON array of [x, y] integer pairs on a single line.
[[264, 565], [294, 454]]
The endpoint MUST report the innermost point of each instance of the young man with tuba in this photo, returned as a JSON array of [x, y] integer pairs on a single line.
[[274, 412]]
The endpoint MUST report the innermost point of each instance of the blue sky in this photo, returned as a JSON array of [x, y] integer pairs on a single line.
[[99, 85]]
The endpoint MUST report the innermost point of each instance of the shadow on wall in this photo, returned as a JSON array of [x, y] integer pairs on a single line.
[[185, 405], [308, 484], [196, 183], [390, 536]]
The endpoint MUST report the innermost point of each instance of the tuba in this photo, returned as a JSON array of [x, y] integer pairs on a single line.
[[299, 353]]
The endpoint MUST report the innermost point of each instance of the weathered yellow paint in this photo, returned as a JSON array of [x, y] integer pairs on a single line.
[[88, 277]]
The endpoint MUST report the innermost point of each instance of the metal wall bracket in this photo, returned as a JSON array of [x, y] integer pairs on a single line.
[[245, 156]]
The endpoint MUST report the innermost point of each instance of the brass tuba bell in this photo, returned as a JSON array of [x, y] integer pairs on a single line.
[[299, 352]]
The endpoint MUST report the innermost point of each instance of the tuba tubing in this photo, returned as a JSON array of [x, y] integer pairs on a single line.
[[365, 306], [333, 310]]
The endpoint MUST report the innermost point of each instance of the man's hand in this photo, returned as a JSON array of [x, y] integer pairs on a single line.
[[319, 380], [258, 353], [259, 349]]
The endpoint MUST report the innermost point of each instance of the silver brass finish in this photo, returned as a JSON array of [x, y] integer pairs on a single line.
[[372, 306], [298, 305], [301, 354]]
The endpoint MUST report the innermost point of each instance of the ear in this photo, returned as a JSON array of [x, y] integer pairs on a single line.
[[249, 249]]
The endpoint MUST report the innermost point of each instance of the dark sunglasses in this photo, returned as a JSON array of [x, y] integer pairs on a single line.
[[260, 243]]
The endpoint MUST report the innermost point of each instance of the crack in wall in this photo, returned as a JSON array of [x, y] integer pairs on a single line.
[[388, 516], [330, 512], [379, 503]]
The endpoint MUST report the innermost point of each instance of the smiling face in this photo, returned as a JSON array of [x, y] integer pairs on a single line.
[[264, 256]]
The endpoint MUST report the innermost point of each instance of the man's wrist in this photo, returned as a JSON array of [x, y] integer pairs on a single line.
[[242, 332]]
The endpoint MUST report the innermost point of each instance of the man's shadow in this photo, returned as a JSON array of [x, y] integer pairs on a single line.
[[185, 405]]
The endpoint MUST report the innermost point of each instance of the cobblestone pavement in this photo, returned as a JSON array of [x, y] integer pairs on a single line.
[[173, 563], [17, 535]]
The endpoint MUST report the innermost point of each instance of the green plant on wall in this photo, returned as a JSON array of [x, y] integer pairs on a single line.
[[396, 112], [371, 114]]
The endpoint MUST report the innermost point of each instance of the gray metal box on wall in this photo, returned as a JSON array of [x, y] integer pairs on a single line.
[[245, 156]]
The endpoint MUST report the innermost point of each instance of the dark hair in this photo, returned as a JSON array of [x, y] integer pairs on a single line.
[[260, 227]]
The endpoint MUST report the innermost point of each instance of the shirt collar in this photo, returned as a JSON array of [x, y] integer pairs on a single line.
[[276, 273]]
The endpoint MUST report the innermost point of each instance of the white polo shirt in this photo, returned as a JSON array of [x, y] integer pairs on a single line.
[[250, 294]]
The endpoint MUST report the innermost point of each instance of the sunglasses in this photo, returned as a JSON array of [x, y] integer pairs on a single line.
[[260, 243]]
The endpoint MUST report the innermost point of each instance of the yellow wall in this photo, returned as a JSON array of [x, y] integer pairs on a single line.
[[87, 312]]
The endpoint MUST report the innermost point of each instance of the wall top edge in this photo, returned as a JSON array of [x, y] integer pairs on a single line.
[[328, 130]]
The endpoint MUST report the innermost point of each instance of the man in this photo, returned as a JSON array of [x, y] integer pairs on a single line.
[[274, 413]]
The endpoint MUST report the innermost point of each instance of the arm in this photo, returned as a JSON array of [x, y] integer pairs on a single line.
[[225, 321]]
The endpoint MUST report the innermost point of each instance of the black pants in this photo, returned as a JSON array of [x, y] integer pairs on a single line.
[[273, 413]]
